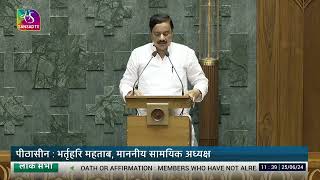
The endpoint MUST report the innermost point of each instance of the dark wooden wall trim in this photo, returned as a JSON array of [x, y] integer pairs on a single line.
[[267, 55], [290, 73], [279, 72], [288, 87], [311, 101]]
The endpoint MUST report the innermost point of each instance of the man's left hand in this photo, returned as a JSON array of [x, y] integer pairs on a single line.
[[194, 94]]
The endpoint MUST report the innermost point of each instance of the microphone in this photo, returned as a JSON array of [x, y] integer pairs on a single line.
[[135, 84], [167, 54]]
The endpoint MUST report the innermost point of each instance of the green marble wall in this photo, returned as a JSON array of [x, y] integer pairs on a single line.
[[60, 85]]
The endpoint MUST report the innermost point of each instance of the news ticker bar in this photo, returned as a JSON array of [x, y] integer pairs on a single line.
[[155, 167], [163, 153]]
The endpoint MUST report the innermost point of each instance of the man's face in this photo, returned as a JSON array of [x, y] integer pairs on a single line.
[[161, 35]]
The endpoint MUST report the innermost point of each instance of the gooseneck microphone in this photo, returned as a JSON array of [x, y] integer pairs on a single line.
[[167, 54], [135, 84]]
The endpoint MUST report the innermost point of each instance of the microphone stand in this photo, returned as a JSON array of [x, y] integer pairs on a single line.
[[135, 84], [167, 54]]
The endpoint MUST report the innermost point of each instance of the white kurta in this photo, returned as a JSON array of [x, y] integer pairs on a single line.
[[159, 78]]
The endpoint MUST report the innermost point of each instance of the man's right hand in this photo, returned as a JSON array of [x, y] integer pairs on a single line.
[[136, 93]]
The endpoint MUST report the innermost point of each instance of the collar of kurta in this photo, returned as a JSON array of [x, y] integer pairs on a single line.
[[153, 47]]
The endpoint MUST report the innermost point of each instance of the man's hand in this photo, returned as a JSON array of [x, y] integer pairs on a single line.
[[194, 94], [136, 93]]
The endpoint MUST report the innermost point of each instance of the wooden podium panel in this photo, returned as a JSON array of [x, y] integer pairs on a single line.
[[177, 133]]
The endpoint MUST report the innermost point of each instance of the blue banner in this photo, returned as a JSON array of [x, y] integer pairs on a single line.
[[163, 153]]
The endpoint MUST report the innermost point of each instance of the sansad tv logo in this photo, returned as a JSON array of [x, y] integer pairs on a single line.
[[28, 20]]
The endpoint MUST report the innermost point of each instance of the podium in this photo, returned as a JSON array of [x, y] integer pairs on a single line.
[[158, 127]]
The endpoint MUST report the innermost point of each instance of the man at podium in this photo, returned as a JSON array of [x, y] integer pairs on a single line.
[[163, 68]]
